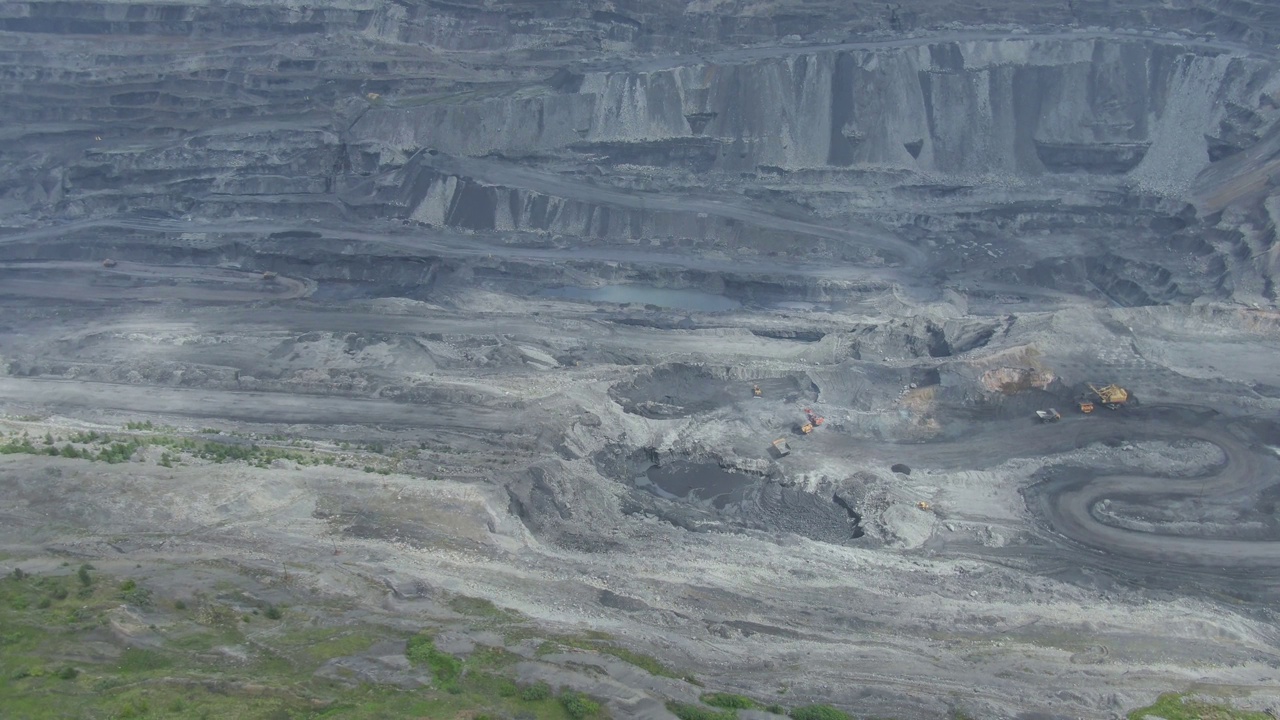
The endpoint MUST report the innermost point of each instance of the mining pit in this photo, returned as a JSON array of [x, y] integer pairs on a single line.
[[510, 301]]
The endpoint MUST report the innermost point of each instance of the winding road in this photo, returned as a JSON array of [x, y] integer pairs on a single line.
[[1066, 498], [1067, 501]]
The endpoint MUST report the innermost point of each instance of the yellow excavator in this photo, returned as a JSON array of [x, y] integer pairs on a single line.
[[1112, 397]]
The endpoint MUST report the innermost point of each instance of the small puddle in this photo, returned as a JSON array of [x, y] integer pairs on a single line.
[[697, 482], [695, 300]]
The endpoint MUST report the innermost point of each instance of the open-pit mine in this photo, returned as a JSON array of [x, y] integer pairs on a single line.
[[639, 359]]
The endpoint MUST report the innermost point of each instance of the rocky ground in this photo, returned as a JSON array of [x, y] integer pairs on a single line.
[[395, 306]]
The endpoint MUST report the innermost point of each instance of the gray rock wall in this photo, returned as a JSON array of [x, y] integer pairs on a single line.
[[1010, 106]]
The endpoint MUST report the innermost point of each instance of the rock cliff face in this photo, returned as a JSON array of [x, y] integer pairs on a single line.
[[1011, 106], [852, 133], [643, 25]]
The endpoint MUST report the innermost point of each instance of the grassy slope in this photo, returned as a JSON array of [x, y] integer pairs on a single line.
[[1173, 706], [60, 657]]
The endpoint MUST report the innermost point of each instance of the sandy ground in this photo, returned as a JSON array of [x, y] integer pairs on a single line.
[[1093, 550]]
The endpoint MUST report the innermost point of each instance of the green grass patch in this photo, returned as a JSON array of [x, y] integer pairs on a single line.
[[600, 643], [341, 646], [1177, 706], [491, 658], [481, 608], [818, 712], [56, 663], [648, 663], [491, 685], [202, 642], [311, 647], [138, 660], [729, 701], [689, 711]]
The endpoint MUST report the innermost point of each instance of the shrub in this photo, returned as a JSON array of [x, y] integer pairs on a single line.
[[133, 594], [273, 613], [67, 672], [818, 712], [83, 573], [729, 700], [421, 650], [578, 706], [776, 709], [535, 692], [117, 452]]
